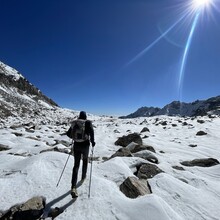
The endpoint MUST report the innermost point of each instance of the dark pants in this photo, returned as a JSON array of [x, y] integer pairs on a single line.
[[80, 150]]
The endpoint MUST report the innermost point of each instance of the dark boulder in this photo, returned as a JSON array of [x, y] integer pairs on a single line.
[[133, 187], [200, 133], [126, 140], [146, 171]]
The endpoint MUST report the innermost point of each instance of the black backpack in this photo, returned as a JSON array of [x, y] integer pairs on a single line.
[[77, 131]]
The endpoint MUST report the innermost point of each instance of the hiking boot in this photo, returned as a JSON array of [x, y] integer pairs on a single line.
[[74, 193]]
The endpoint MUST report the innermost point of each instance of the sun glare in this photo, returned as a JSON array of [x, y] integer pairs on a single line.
[[198, 4]]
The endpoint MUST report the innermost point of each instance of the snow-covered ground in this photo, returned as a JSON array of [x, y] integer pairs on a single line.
[[189, 194]]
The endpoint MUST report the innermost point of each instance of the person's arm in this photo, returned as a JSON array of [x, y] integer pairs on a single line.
[[91, 134]]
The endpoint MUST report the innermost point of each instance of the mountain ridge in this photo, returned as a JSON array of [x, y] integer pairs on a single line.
[[17, 94], [177, 108]]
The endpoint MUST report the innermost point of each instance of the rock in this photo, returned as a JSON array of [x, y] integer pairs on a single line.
[[30, 210], [63, 142], [174, 125], [56, 149], [125, 140], [207, 162], [4, 147], [200, 133], [200, 121], [164, 123], [145, 129], [131, 146], [193, 145], [147, 156], [146, 171], [133, 187], [122, 152], [177, 167], [142, 147], [17, 134]]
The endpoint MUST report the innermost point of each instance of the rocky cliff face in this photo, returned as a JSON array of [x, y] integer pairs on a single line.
[[18, 96], [197, 108]]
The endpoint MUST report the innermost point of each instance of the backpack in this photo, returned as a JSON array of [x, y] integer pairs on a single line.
[[77, 131]]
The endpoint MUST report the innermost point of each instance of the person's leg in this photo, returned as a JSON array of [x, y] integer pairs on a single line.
[[85, 161], [77, 157]]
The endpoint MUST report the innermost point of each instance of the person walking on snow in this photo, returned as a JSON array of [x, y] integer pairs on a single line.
[[82, 133]]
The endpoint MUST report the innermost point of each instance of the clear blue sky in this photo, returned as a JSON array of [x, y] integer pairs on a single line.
[[79, 52]]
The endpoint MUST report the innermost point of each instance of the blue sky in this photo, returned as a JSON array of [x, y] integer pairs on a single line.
[[79, 52]]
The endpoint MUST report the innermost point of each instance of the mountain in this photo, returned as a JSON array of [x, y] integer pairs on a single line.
[[176, 108], [18, 96]]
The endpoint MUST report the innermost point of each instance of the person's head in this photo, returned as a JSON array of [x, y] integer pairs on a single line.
[[82, 115]]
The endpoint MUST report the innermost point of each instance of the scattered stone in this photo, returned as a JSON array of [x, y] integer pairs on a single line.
[[147, 170], [193, 145], [56, 149], [207, 162], [116, 131], [200, 121], [178, 168], [133, 187], [4, 147], [200, 133], [174, 125], [145, 129], [184, 123], [162, 152], [17, 134], [164, 123], [145, 136], [125, 140]]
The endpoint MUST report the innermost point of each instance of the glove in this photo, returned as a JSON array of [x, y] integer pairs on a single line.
[[93, 144]]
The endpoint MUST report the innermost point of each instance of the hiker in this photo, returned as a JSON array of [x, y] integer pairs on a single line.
[[82, 134]]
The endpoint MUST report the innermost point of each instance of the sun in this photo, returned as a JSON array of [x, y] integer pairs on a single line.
[[198, 4]]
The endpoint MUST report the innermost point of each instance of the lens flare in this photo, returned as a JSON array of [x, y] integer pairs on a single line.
[[201, 3]]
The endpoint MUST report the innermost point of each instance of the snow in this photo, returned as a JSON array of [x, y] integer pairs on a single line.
[[9, 71], [193, 193]]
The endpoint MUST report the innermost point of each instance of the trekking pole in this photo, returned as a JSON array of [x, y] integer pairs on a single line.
[[90, 179], [63, 170], [64, 167]]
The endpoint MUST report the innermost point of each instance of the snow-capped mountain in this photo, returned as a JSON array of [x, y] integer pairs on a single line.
[[197, 108], [17, 95]]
